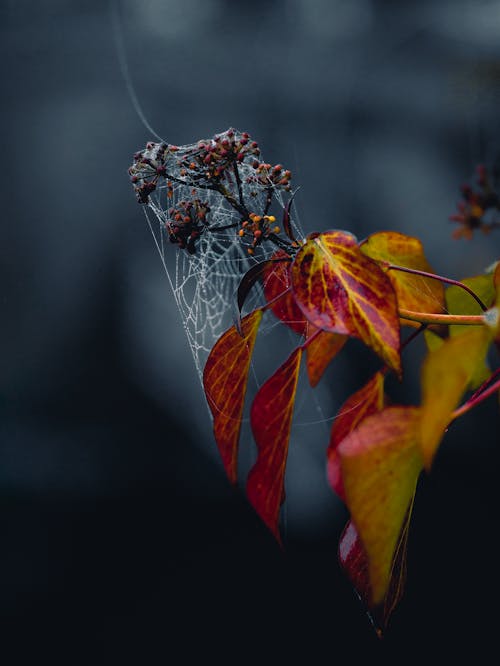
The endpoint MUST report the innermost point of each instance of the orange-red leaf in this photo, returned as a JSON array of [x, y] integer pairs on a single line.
[[271, 420], [277, 291], [252, 275], [225, 381], [414, 292], [446, 373], [380, 463], [341, 290], [368, 400], [322, 348]]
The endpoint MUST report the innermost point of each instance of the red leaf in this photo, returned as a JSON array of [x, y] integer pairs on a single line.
[[249, 279], [225, 381], [320, 351], [354, 562], [368, 400], [341, 290], [271, 420], [277, 291]]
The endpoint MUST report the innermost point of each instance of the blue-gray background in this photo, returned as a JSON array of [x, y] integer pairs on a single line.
[[118, 529]]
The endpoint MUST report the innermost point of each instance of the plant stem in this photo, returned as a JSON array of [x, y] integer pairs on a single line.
[[484, 385], [241, 208], [282, 243], [412, 337], [430, 318], [455, 283], [310, 339], [238, 184], [478, 397]]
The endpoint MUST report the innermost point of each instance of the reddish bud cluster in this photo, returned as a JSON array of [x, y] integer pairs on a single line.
[[268, 175], [205, 162], [225, 165], [186, 223], [476, 203], [258, 228], [210, 160], [149, 165]]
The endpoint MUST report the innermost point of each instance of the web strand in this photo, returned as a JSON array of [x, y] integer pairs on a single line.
[[209, 208]]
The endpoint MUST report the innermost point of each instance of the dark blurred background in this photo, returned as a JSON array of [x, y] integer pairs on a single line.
[[120, 538]]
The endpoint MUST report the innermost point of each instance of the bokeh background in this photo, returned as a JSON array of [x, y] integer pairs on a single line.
[[120, 538]]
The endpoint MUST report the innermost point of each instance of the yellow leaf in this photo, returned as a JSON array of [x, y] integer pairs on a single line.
[[414, 292], [381, 462], [459, 302], [432, 340], [446, 373]]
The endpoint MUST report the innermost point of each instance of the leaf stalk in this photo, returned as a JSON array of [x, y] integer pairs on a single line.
[[447, 319]]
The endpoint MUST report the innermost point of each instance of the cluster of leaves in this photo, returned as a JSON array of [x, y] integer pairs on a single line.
[[327, 290]]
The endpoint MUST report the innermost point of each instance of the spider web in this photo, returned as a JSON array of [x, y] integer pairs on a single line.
[[203, 202]]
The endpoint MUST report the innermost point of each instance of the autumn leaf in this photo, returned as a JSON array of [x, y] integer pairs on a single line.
[[341, 290], [414, 292], [250, 278], [459, 302], [322, 346], [354, 562], [352, 556], [381, 462], [432, 340], [446, 373], [321, 349], [225, 381], [368, 400], [277, 291], [271, 419], [481, 371]]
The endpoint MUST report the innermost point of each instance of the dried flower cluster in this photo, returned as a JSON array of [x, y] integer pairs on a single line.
[[228, 165]]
